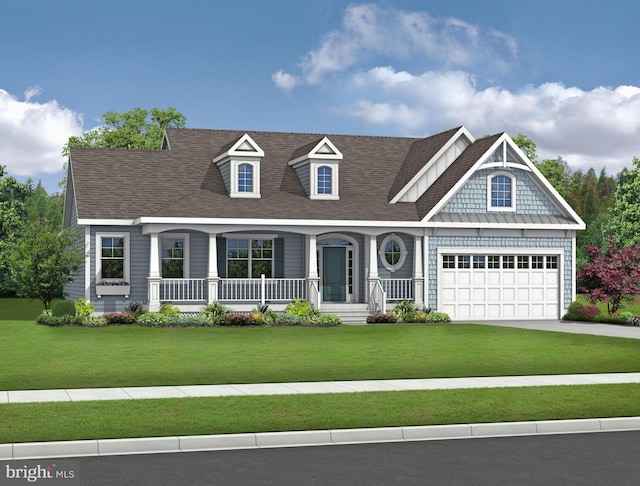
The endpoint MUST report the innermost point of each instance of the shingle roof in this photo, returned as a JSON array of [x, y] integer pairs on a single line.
[[184, 183]]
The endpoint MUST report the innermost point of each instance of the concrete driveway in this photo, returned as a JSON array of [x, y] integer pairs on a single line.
[[570, 326]]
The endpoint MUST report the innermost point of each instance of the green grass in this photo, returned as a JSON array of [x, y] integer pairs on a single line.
[[226, 415], [634, 307], [20, 309], [37, 357]]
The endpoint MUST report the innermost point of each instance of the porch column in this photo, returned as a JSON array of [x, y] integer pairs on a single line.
[[313, 280], [154, 273], [418, 275], [212, 275], [372, 252]]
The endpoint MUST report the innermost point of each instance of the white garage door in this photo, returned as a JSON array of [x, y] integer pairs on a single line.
[[499, 286]]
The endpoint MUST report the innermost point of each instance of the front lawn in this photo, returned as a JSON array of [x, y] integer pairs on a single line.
[[31, 422], [40, 357]]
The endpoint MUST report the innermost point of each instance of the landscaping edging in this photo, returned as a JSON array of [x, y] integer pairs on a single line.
[[172, 444]]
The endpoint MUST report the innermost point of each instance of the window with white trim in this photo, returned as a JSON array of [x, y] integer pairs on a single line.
[[393, 252], [174, 255], [249, 258], [245, 178], [501, 192], [324, 180], [112, 262]]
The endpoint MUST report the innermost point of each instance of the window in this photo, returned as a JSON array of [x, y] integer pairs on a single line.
[[552, 262], [245, 178], [324, 180], [523, 261], [112, 257], [392, 252], [242, 263], [112, 262], [174, 257], [448, 261], [464, 261], [508, 262], [537, 262], [494, 261], [478, 261], [501, 192]]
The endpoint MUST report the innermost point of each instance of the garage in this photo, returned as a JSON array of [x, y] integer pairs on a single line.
[[499, 286]]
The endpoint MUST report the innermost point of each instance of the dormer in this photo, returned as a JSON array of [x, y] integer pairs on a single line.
[[239, 165], [317, 167]]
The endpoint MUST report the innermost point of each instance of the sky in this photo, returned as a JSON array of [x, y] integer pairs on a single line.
[[565, 73]]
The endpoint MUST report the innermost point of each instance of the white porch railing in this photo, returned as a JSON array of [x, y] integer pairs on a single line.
[[261, 289], [398, 288], [183, 290], [378, 298]]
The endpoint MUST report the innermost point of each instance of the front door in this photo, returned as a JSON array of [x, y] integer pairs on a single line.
[[334, 280]]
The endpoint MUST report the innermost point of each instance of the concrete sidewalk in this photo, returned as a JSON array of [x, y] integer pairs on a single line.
[[572, 327], [136, 393]]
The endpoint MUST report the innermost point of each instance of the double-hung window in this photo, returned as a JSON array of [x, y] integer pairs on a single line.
[[175, 250], [112, 263], [249, 258]]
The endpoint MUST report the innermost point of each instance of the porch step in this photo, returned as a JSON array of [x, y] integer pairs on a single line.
[[348, 313]]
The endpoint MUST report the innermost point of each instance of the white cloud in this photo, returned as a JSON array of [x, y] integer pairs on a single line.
[[597, 128], [369, 30], [33, 134], [284, 81]]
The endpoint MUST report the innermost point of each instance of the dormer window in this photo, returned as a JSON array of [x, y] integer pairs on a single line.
[[240, 167], [501, 192], [317, 165], [245, 178]]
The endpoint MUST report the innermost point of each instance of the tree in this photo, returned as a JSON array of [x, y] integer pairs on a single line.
[[42, 262], [134, 129], [13, 215], [624, 221], [527, 146], [611, 275], [557, 172]]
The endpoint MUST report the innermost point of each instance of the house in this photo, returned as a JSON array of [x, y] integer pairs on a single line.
[[469, 227]]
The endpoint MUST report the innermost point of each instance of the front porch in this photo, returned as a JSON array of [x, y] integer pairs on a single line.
[[197, 292], [244, 268]]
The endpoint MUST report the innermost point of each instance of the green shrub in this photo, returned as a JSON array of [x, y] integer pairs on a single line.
[[436, 317], [57, 321], [237, 320], [119, 318], [94, 321], [405, 310], [213, 312], [152, 319], [299, 307], [63, 308], [281, 319], [381, 318], [135, 309], [187, 321], [169, 309], [325, 320], [575, 308], [626, 315], [605, 319], [83, 307]]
